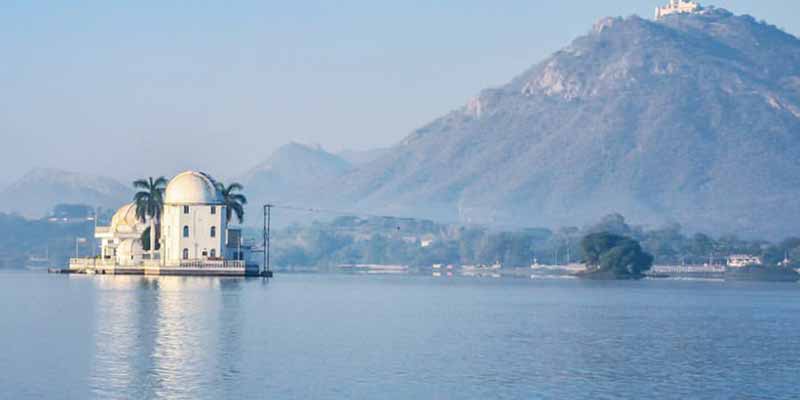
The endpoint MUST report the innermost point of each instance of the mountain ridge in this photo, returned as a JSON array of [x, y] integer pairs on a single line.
[[290, 173], [37, 191], [686, 119]]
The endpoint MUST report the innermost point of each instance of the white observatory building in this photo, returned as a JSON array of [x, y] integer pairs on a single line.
[[193, 223], [195, 236]]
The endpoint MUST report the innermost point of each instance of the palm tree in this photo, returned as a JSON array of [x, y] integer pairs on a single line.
[[234, 202], [149, 204]]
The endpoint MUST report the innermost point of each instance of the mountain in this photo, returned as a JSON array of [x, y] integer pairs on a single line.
[[694, 118], [35, 194], [359, 157], [290, 172]]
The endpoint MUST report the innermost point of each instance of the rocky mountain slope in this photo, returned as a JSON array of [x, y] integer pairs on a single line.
[[35, 194], [692, 119]]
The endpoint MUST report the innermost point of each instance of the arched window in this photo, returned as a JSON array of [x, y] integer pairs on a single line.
[[185, 254], [213, 253], [213, 231], [186, 231]]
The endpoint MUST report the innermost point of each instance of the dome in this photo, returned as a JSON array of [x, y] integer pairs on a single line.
[[124, 220], [192, 187]]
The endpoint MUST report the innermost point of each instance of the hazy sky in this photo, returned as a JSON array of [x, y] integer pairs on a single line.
[[152, 87]]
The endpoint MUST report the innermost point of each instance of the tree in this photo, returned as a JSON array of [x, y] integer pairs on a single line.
[[234, 202], [620, 255], [612, 223], [149, 203]]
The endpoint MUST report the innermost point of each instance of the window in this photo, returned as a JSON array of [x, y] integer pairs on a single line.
[[185, 254], [213, 253], [185, 209], [205, 253], [213, 210], [186, 231], [213, 231]]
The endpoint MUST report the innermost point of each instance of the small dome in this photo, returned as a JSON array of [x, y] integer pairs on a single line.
[[192, 187], [124, 220]]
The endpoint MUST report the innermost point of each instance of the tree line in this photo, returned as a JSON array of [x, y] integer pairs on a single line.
[[353, 240]]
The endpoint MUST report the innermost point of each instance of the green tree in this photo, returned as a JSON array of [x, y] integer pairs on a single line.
[[234, 202], [149, 203], [617, 254]]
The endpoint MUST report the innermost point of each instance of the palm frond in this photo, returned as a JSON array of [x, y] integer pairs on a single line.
[[160, 183], [141, 184], [234, 187], [238, 198], [238, 210], [141, 196], [141, 209]]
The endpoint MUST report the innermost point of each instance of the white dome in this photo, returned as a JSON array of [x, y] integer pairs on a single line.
[[124, 220], [192, 187]]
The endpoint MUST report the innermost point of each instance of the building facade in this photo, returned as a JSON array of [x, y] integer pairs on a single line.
[[193, 224]]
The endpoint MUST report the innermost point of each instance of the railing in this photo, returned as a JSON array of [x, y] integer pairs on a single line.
[[84, 263], [79, 263], [210, 264]]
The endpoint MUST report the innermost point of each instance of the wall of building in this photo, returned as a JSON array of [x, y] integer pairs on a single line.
[[199, 219]]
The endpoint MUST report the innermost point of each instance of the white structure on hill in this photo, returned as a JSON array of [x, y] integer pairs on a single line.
[[677, 7]]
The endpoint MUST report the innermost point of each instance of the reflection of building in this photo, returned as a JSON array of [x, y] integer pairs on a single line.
[[678, 7], [740, 261], [194, 236]]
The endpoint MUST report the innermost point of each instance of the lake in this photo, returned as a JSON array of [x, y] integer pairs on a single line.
[[394, 337]]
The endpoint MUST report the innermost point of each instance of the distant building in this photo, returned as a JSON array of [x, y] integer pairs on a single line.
[[678, 7], [743, 260], [71, 213]]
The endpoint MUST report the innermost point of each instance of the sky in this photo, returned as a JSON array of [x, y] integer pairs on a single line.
[[141, 88]]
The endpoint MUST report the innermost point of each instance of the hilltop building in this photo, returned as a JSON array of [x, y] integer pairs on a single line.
[[678, 7], [195, 238]]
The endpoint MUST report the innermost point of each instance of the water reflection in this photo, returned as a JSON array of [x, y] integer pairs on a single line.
[[116, 309], [229, 337], [154, 337]]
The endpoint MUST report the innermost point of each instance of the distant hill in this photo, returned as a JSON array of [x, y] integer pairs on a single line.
[[358, 157], [35, 194], [290, 172], [692, 119]]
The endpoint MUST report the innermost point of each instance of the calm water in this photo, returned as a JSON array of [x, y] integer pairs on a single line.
[[323, 336]]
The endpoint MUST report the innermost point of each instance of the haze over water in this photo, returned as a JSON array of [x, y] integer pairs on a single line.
[[355, 336]]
